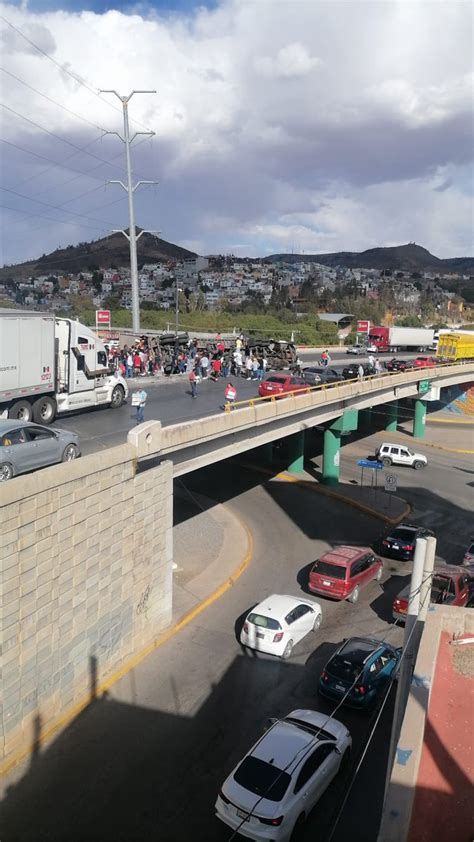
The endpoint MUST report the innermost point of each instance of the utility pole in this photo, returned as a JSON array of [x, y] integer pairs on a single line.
[[130, 189]]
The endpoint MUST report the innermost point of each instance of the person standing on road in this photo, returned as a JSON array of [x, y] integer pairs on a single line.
[[230, 393], [142, 396], [371, 360], [204, 365], [192, 383], [378, 366], [129, 364], [360, 372]]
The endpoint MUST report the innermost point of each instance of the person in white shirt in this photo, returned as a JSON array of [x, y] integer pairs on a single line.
[[204, 366]]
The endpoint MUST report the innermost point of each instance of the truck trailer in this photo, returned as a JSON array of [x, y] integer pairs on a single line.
[[393, 339], [49, 366], [456, 346]]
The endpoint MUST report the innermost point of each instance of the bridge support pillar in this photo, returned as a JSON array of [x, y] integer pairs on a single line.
[[296, 453], [331, 456], [392, 417], [419, 420], [332, 444], [265, 452]]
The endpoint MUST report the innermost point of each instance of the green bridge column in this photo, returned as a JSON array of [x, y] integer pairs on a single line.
[[331, 456], [296, 453], [419, 419], [392, 417], [332, 444]]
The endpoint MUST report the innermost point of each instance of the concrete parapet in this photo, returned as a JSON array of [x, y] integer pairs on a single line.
[[85, 581]]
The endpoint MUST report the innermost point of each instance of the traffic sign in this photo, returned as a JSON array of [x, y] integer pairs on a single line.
[[424, 386], [370, 463], [391, 481]]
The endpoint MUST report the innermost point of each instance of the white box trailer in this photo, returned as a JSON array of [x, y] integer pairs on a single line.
[[49, 366]]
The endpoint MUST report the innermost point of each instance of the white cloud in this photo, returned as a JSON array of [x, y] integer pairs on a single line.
[[341, 126]]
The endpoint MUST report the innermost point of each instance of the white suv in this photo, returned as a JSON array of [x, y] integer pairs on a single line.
[[398, 454], [276, 785]]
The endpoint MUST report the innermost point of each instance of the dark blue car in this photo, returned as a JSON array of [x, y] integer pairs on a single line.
[[360, 668]]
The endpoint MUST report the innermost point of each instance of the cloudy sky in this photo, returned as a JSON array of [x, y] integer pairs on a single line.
[[280, 125]]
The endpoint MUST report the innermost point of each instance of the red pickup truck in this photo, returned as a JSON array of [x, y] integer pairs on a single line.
[[450, 586]]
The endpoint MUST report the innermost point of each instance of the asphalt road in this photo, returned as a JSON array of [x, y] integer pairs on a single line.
[[146, 761], [168, 402]]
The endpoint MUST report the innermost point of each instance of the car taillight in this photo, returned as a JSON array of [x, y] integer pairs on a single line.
[[224, 798], [277, 637], [274, 822], [246, 628], [386, 543], [409, 547], [324, 676], [359, 690]]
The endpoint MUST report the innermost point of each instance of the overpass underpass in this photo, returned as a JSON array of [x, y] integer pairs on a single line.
[[259, 422]]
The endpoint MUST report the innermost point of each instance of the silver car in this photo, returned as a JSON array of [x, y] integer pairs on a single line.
[[25, 447]]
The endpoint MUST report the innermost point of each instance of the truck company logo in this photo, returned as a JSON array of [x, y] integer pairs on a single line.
[[8, 367]]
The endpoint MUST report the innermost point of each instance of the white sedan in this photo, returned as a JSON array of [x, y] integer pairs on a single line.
[[273, 789], [277, 623]]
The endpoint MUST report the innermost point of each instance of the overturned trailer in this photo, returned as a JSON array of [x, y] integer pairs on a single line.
[[279, 355]]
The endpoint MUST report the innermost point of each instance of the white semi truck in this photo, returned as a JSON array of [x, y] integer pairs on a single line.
[[49, 366]]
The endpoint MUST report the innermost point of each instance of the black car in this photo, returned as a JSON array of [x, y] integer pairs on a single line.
[[351, 372], [317, 374], [398, 365], [400, 542]]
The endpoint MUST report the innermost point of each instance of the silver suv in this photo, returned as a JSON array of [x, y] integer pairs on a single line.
[[399, 454]]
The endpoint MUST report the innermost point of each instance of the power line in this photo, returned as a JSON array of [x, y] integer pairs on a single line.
[[55, 207], [36, 91], [64, 69], [56, 221]]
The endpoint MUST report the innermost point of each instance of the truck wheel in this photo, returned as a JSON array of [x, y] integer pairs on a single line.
[[44, 410], [6, 471], [21, 410], [118, 396], [386, 461]]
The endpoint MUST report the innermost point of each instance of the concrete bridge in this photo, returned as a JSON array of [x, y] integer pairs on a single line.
[[261, 421], [86, 547]]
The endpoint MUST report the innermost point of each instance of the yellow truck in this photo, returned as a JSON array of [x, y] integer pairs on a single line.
[[455, 346]]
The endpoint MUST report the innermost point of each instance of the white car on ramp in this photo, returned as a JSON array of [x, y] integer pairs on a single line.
[[279, 622]]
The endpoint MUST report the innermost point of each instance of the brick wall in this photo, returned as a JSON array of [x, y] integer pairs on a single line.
[[85, 582]]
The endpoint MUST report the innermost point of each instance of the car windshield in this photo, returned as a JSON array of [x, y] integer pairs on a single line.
[[349, 662], [264, 622], [262, 778], [440, 587], [402, 535], [325, 568]]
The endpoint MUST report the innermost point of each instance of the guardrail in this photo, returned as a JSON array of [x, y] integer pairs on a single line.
[[421, 373]]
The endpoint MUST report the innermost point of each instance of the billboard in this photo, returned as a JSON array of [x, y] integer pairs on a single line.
[[363, 326], [102, 318]]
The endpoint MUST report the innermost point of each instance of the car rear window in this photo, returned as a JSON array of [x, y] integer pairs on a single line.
[[262, 778], [441, 586], [349, 661], [275, 380], [264, 622], [402, 534], [325, 568]]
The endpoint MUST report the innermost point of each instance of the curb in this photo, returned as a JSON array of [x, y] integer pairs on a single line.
[[328, 492], [179, 624], [467, 422], [447, 449]]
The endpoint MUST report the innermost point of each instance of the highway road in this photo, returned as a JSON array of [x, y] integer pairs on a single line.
[[147, 761], [169, 402]]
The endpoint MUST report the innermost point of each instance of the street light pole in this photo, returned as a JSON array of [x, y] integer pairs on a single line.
[[176, 310], [130, 189]]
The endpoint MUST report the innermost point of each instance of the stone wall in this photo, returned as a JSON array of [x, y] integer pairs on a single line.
[[85, 583]]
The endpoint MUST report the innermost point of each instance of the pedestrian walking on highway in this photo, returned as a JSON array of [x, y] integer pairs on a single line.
[[360, 372], [139, 399], [371, 360], [230, 393], [378, 366], [204, 365], [192, 383]]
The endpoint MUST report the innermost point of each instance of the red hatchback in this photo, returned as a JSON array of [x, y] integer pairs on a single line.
[[341, 573], [425, 362], [278, 385]]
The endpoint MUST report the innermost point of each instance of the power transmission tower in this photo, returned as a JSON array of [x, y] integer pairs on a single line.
[[130, 189]]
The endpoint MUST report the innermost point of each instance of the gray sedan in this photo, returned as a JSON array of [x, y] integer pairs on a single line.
[[25, 447]]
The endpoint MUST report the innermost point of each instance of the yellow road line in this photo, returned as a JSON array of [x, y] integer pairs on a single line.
[[466, 422], [187, 618]]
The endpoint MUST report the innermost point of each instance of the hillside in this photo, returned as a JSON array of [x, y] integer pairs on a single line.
[[108, 252], [407, 258]]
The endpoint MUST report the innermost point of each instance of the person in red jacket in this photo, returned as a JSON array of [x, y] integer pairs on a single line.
[[230, 393], [216, 366]]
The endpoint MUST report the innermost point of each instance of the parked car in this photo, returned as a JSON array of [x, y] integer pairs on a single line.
[[450, 586], [398, 365], [276, 785], [359, 671], [356, 349], [279, 385], [469, 555], [351, 372], [398, 454], [316, 374], [400, 542], [425, 362], [25, 446], [343, 572], [278, 623]]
